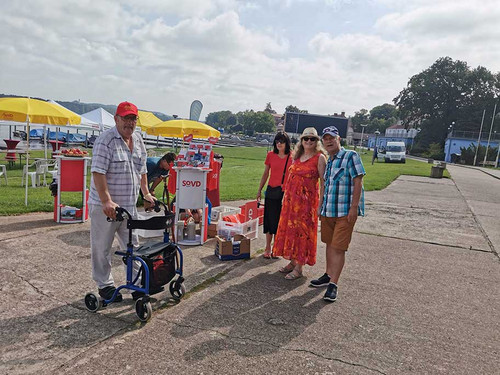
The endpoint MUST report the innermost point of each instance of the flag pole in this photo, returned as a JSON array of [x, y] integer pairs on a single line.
[[479, 138]]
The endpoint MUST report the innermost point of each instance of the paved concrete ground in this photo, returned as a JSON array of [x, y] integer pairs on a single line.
[[419, 294]]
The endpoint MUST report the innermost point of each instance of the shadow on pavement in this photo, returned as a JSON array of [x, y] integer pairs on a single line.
[[28, 340], [22, 225], [256, 311]]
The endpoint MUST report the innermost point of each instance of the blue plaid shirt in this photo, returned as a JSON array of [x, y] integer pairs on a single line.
[[339, 186]]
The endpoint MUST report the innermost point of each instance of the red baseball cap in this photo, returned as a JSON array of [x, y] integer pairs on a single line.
[[126, 108]]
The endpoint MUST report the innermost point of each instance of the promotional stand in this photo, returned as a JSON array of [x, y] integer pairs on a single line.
[[72, 176], [191, 192]]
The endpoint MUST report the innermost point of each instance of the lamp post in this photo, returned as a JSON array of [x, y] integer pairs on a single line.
[[363, 126], [498, 153], [375, 148], [479, 138], [377, 133], [450, 134]]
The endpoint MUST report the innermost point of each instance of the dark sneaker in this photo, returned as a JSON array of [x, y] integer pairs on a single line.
[[321, 281], [107, 293], [331, 293], [136, 295]]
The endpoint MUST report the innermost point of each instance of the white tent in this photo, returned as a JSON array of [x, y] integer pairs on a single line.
[[99, 116], [84, 124]]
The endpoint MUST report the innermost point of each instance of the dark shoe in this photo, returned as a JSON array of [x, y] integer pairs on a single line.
[[137, 295], [331, 293], [320, 281], [107, 293]]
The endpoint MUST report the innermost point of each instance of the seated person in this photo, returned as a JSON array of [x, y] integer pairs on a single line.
[[158, 169]]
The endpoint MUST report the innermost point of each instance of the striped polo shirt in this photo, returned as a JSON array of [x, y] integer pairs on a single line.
[[123, 169], [340, 171]]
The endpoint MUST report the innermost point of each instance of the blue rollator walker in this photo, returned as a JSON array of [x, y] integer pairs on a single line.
[[159, 261]]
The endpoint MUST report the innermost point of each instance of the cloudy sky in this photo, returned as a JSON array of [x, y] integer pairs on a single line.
[[325, 56]]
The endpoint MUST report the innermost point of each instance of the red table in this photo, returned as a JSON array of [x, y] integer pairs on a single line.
[[56, 146], [11, 157]]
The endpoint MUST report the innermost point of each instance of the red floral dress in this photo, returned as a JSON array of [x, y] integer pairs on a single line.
[[296, 237]]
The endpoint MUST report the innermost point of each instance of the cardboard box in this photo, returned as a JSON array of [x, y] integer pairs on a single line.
[[212, 230], [239, 248]]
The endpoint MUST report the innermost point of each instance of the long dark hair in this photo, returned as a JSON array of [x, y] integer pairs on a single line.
[[281, 136]]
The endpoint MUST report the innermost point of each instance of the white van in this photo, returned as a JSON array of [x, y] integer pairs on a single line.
[[395, 152]]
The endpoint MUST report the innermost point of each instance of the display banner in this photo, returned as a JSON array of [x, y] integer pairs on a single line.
[[191, 184]]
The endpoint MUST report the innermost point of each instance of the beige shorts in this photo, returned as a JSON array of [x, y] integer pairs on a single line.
[[336, 231]]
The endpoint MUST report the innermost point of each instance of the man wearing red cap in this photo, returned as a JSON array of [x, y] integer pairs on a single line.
[[118, 170]]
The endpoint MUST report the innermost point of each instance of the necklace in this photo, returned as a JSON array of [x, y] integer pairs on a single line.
[[306, 157]]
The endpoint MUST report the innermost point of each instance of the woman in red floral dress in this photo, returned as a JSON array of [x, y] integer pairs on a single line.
[[296, 238]]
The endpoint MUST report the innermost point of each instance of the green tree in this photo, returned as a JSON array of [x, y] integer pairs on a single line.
[[360, 117], [379, 124], [292, 108], [385, 111], [269, 109], [264, 122], [255, 122], [467, 154], [448, 91], [220, 119], [435, 151]]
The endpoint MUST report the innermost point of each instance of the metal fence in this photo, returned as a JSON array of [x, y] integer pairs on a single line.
[[473, 135]]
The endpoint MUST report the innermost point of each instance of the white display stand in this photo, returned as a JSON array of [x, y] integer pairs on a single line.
[[191, 193]]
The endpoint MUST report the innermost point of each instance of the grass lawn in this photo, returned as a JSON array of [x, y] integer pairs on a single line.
[[240, 176], [243, 168]]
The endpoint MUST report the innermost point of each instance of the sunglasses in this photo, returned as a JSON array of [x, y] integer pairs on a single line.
[[280, 141], [313, 139]]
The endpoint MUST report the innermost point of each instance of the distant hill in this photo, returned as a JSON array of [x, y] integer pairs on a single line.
[[80, 108]]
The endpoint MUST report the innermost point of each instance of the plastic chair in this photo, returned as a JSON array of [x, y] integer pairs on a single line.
[[41, 167], [3, 172], [53, 172]]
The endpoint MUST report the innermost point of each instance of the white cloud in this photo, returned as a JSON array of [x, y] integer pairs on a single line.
[[182, 9], [163, 54]]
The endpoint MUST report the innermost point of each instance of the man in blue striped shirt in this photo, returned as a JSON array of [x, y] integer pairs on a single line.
[[342, 202]]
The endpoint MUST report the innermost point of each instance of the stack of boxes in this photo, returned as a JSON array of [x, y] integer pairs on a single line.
[[233, 231]]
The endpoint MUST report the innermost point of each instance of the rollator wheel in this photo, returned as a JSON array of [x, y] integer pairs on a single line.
[[143, 309], [177, 290], [92, 302]]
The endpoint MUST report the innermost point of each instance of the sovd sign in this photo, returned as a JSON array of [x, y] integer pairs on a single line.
[[191, 183]]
